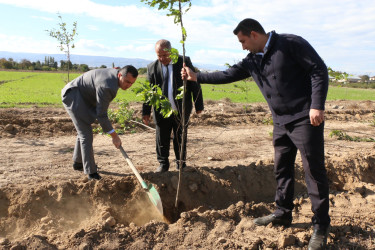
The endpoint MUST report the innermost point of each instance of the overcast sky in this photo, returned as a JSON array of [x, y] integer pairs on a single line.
[[342, 32]]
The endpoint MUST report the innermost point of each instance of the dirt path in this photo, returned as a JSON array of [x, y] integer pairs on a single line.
[[229, 181]]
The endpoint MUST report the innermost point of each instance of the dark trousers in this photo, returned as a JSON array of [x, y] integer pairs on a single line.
[[164, 127], [309, 140]]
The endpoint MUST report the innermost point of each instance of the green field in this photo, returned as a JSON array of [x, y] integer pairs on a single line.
[[23, 89]]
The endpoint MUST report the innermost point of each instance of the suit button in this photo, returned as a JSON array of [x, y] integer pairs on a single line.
[[278, 94], [268, 96]]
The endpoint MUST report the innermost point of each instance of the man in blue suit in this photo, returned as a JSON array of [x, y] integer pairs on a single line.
[[294, 80], [87, 99]]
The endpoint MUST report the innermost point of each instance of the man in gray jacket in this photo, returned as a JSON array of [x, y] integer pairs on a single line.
[[87, 99]]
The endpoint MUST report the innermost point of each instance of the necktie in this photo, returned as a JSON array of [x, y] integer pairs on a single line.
[[165, 83]]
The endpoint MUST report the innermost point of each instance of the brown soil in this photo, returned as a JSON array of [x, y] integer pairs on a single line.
[[45, 204]]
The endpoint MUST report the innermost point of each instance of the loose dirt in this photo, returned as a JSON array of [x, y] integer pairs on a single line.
[[45, 204]]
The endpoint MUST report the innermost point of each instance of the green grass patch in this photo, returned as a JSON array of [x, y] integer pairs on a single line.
[[24, 89], [344, 93]]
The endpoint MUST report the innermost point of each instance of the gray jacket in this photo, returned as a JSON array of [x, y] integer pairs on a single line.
[[98, 88]]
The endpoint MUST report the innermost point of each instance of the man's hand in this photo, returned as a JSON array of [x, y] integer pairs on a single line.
[[188, 74], [116, 140], [316, 117], [146, 119]]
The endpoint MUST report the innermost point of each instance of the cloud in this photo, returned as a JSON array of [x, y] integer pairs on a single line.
[[126, 15], [87, 47], [132, 48], [217, 57], [341, 31], [27, 44], [42, 18], [92, 27]]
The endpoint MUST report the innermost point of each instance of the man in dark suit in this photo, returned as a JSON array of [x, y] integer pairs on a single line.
[[167, 76], [87, 99], [294, 80]]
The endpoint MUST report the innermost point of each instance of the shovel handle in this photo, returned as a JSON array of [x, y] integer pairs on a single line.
[[143, 183]]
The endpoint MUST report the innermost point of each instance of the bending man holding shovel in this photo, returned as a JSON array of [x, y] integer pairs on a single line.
[[294, 80], [87, 99]]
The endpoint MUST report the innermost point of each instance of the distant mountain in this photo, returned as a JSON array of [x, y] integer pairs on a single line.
[[92, 61]]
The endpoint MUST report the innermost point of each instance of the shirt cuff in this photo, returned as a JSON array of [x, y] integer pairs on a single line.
[[110, 132]]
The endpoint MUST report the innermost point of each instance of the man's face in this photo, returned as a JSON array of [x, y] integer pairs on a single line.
[[127, 81], [163, 55], [248, 42]]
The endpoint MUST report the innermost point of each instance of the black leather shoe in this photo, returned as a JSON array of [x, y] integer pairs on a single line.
[[178, 166], [265, 220], [94, 176], [318, 239], [162, 168], [78, 166]]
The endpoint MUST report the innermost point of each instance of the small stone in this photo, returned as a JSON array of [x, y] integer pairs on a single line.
[[51, 232], [335, 107], [84, 246], [210, 158], [286, 240], [184, 215], [193, 187], [4, 241], [45, 219], [105, 215], [259, 163], [215, 214], [132, 225], [9, 128], [221, 240], [239, 177], [110, 222]]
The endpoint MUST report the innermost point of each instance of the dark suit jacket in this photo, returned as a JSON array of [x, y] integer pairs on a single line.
[[193, 90], [291, 76]]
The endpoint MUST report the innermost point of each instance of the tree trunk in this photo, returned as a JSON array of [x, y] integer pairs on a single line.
[[183, 118]]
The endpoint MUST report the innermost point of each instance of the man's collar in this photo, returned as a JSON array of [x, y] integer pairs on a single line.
[[267, 44]]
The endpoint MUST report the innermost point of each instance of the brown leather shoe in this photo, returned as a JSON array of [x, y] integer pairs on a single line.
[[265, 220]]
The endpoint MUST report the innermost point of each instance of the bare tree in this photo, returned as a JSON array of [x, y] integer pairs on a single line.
[[65, 38]]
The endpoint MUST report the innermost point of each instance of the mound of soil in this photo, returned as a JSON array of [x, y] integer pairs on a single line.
[[228, 182]]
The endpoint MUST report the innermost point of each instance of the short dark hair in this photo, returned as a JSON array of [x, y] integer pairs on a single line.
[[129, 69], [247, 25]]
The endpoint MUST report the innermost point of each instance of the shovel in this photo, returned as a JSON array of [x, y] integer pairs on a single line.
[[150, 190]]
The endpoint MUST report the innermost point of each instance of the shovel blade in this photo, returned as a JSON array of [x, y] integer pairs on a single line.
[[155, 198]]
